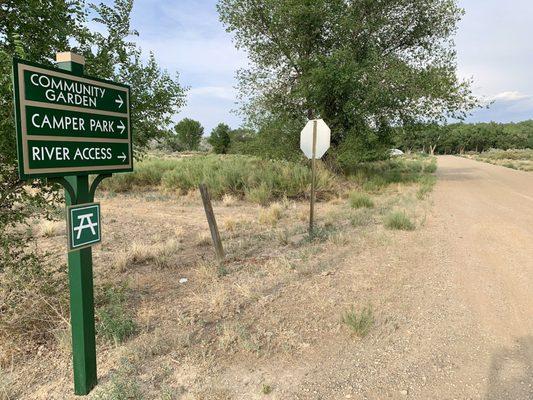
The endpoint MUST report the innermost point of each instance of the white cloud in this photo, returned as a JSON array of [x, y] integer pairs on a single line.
[[510, 96]]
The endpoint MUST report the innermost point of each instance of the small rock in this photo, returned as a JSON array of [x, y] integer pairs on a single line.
[[183, 280], [404, 392]]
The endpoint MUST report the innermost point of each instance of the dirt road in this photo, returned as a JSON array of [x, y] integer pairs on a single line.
[[483, 217]]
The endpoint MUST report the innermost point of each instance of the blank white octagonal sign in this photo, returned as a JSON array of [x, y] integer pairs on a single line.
[[323, 137]]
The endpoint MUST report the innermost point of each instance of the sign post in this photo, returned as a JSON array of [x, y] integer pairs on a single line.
[[69, 126], [314, 142]]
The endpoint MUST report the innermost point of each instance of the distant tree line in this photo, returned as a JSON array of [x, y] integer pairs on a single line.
[[461, 137], [188, 136]]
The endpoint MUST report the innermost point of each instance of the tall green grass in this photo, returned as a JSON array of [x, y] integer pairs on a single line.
[[256, 179], [375, 176]]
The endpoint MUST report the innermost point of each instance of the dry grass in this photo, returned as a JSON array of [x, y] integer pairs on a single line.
[[46, 228], [229, 200], [161, 254], [303, 214], [514, 159], [203, 238], [271, 215], [230, 224]]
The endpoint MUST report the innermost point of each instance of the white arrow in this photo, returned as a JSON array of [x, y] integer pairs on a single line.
[[122, 127], [122, 157], [119, 101]]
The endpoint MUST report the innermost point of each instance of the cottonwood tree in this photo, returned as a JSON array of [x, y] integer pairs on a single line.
[[220, 138], [189, 133], [363, 65]]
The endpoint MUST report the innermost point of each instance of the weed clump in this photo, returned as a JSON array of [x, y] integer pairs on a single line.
[[363, 217], [360, 200], [123, 385], [271, 215], [359, 323], [399, 220], [266, 389], [427, 183], [114, 322]]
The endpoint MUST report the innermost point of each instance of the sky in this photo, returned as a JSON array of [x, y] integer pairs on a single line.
[[494, 48]]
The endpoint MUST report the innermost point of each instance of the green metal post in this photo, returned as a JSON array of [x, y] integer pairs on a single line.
[[80, 270]]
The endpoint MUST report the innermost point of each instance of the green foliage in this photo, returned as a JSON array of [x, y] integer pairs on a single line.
[[171, 143], [399, 220], [123, 385], [363, 217], [242, 176], [189, 133], [426, 186], [266, 389], [113, 322], [375, 176], [278, 139], [518, 155], [362, 66], [220, 138], [521, 159], [360, 200], [260, 194], [359, 323]]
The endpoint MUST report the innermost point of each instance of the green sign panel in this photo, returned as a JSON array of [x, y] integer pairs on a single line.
[[83, 225], [69, 124]]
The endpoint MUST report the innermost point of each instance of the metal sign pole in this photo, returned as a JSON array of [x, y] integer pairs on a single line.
[[313, 180], [80, 272]]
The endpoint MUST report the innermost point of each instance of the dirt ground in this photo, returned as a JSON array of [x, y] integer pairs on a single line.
[[452, 300]]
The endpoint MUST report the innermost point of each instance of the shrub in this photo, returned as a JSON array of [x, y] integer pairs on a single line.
[[360, 200], [256, 179], [359, 323], [375, 176], [260, 195], [426, 186], [399, 221], [114, 322], [431, 168]]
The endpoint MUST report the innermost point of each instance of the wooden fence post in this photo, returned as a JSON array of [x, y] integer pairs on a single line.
[[217, 242]]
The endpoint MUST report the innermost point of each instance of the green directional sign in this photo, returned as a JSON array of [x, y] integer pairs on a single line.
[[83, 225], [69, 124]]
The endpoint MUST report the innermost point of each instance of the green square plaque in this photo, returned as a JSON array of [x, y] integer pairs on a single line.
[[83, 225]]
